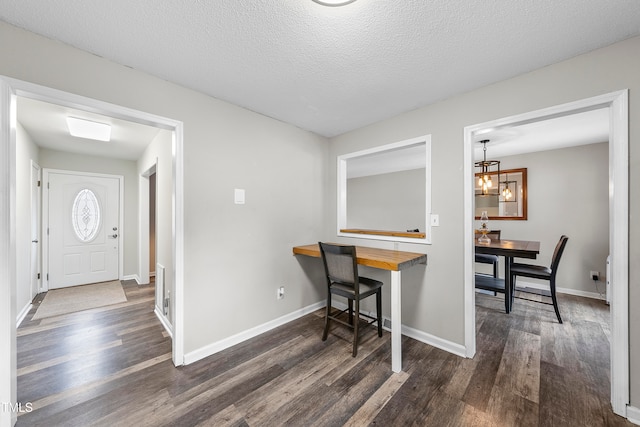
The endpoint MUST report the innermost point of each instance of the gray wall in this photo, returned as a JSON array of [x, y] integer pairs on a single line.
[[236, 256], [427, 304], [159, 152], [568, 193], [398, 203], [53, 159]]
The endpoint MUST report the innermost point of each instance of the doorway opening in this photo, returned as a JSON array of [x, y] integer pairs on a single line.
[[10, 90], [617, 105]]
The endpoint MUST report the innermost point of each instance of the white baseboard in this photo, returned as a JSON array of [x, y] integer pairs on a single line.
[[432, 340], [132, 277], [418, 335], [633, 415], [216, 347], [568, 291], [23, 313], [213, 348], [164, 321]]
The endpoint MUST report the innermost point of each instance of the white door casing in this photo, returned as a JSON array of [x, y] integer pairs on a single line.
[[35, 229], [83, 227]]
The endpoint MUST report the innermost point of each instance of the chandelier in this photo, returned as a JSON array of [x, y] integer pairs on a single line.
[[484, 179]]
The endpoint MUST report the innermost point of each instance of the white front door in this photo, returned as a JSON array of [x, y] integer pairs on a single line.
[[84, 229]]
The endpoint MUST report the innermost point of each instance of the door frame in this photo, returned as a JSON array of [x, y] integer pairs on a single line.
[[618, 105], [10, 88], [45, 218], [36, 210]]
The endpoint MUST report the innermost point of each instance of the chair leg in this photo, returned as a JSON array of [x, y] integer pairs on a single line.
[[379, 311], [326, 318], [554, 299], [350, 303], [355, 329]]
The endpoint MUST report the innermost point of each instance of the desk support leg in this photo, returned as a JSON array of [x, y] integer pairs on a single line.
[[396, 322], [508, 298]]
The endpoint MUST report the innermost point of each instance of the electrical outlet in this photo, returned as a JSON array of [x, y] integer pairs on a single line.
[[280, 292], [594, 275]]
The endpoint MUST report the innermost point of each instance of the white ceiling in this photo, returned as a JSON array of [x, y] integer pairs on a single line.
[[331, 69], [46, 124]]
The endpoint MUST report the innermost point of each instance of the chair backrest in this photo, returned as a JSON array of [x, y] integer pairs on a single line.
[[340, 264], [492, 234], [557, 253]]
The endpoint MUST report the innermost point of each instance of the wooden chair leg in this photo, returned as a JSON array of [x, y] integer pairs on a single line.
[[355, 329], [554, 299], [326, 318], [379, 311]]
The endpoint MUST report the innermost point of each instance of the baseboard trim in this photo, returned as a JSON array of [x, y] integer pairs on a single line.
[[592, 295], [418, 335], [164, 322], [432, 340], [213, 348], [633, 415], [132, 277], [23, 313]]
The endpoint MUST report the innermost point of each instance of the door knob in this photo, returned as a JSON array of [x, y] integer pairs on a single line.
[[34, 241]]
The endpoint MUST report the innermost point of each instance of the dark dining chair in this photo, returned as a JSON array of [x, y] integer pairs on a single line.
[[341, 270], [488, 258], [542, 272]]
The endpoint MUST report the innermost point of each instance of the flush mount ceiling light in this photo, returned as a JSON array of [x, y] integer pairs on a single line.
[[89, 129], [333, 2]]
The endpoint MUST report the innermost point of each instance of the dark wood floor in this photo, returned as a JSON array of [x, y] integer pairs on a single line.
[[112, 366]]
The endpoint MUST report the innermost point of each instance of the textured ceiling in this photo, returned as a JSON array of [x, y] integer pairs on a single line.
[[331, 69]]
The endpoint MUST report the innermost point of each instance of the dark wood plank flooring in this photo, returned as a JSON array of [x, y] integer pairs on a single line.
[[112, 366]]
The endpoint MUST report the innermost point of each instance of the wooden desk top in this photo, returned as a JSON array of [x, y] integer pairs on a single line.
[[384, 259], [512, 248]]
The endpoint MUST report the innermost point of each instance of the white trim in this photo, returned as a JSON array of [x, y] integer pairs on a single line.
[[38, 210], [432, 340], [23, 313], [10, 88], [416, 334], [8, 344], [617, 102], [223, 344], [164, 321], [342, 190], [633, 415], [568, 291], [132, 277]]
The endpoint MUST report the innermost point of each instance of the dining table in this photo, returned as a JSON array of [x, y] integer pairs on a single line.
[[384, 259], [509, 249]]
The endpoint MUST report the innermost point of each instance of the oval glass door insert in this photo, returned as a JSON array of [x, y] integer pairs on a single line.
[[85, 215]]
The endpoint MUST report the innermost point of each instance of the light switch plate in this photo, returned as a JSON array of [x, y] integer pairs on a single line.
[[435, 220], [238, 196]]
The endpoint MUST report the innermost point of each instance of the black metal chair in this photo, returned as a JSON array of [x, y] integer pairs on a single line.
[[341, 270], [542, 272], [488, 258]]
